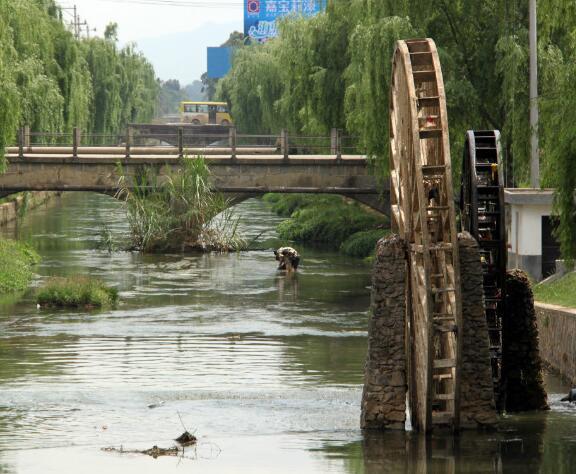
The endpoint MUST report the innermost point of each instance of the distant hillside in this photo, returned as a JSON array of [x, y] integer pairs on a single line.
[[182, 56]]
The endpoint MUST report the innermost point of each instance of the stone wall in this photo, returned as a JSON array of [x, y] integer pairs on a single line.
[[477, 407], [557, 330], [9, 210], [385, 385]]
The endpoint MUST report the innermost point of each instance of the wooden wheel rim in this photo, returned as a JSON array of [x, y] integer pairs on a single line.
[[423, 214]]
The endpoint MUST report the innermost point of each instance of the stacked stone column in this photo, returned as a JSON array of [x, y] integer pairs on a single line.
[[477, 407], [386, 372], [384, 396]]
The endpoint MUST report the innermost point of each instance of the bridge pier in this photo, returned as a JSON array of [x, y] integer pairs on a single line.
[[389, 366]]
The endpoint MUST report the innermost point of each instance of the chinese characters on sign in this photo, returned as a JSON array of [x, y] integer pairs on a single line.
[[260, 15]]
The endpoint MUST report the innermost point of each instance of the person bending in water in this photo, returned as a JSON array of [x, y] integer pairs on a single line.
[[288, 258]]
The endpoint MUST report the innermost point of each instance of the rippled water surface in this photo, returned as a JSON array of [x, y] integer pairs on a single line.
[[266, 369]]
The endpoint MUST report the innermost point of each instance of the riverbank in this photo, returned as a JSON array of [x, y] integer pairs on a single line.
[[16, 205], [16, 262], [331, 220], [559, 292]]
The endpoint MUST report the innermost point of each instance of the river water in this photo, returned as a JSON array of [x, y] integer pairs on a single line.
[[266, 369]]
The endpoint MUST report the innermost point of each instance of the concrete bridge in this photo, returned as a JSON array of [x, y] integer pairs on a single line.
[[239, 171]]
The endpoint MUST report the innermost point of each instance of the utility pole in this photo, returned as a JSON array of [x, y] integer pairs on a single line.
[[76, 24], [534, 147]]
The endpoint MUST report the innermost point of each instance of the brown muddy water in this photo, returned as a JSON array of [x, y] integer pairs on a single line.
[[265, 369]]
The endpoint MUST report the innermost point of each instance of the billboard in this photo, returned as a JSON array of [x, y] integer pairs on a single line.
[[260, 15], [219, 61]]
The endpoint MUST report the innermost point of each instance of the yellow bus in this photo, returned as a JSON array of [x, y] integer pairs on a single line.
[[201, 113]]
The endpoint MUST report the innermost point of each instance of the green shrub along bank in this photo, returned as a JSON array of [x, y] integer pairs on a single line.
[[16, 263], [330, 220], [559, 292], [76, 292]]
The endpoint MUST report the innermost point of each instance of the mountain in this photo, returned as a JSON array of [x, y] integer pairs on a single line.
[[182, 55]]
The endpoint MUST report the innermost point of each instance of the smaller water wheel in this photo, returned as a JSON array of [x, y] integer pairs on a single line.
[[423, 215], [483, 215]]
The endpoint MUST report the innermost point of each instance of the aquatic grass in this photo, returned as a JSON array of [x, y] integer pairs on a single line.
[[76, 292], [286, 204], [561, 292], [329, 221], [16, 262], [362, 244], [178, 211]]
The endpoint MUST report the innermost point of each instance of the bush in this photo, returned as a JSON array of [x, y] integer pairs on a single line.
[[362, 244], [16, 262], [286, 204], [76, 292], [178, 212], [330, 224]]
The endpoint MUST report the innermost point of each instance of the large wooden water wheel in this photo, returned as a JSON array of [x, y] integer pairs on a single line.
[[482, 214], [423, 214]]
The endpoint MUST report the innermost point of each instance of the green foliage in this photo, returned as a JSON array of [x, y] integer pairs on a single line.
[[286, 204], [362, 244], [76, 292], [178, 211], [16, 262], [330, 220], [209, 85], [170, 97], [53, 82], [557, 292], [371, 49], [333, 70]]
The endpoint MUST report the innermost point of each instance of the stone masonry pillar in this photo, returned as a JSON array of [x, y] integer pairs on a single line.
[[521, 364], [385, 383], [477, 407]]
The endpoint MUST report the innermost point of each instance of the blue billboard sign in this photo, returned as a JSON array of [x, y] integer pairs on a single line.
[[219, 61], [260, 15]]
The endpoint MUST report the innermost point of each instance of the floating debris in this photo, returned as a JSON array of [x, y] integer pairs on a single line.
[[156, 405], [154, 451], [186, 439]]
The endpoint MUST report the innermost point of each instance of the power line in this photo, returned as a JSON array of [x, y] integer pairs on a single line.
[[200, 3], [174, 3]]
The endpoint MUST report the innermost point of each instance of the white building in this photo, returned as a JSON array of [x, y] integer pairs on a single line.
[[531, 245]]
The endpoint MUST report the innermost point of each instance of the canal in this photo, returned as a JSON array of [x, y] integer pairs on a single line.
[[265, 369]]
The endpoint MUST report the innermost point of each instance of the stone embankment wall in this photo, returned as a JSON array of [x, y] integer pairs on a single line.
[[385, 384], [521, 363], [557, 330], [9, 210]]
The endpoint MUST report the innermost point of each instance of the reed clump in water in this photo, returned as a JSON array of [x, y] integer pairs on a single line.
[[76, 292], [177, 211]]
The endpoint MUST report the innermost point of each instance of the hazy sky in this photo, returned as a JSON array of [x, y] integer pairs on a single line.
[[180, 56]]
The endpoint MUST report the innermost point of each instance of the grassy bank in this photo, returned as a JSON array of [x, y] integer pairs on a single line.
[[330, 220], [561, 292], [16, 262], [76, 292]]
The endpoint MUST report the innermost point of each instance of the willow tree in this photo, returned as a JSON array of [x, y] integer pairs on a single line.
[[52, 81], [253, 87]]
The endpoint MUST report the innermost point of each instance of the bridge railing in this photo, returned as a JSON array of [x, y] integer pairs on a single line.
[[170, 141]]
